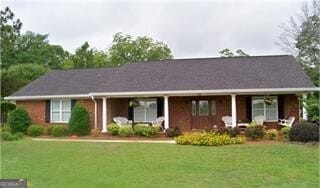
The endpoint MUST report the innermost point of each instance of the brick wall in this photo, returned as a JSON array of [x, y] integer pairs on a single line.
[[36, 110]]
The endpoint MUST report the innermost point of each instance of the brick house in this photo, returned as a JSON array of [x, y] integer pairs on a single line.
[[189, 93]]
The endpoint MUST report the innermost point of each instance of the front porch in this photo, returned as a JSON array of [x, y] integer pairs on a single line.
[[195, 112]]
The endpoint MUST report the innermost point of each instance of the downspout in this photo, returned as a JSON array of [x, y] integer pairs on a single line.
[[95, 111]]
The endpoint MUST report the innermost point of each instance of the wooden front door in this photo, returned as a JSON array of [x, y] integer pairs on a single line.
[[203, 113]]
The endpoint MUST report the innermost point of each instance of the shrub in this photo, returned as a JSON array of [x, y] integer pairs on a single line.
[[147, 131], [272, 134], [233, 132], [113, 129], [255, 132], [173, 132], [35, 130], [19, 120], [8, 136], [79, 121], [6, 128], [285, 131], [95, 132], [19, 135], [208, 139], [125, 131], [59, 130], [304, 132], [49, 129], [157, 128]]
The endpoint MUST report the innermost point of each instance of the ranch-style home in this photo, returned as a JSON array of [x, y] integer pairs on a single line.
[[189, 93]]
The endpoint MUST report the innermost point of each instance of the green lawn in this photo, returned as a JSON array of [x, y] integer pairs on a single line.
[[66, 164]]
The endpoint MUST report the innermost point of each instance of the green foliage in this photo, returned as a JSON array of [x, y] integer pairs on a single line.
[[125, 49], [8, 136], [228, 53], [285, 131], [59, 130], [7, 106], [6, 128], [208, 139], [83, 58], [19, 135], [17, 76], [49, 129], [113, 128], [313, 107], [304, 132], [146, 131], [10, 31], [233, 132], [173, 132], [35, 130], [125, 131], [79, 121], [95, 132], [19, 120], [272, 134], [157, 128], [255, 132]]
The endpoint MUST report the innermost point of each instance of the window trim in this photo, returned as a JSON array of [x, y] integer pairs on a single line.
[[264, 107], [145, 111], [60, 110]]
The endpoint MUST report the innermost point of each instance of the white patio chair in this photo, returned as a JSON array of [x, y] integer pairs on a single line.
[[259, 120], [159, 121], [120, 120], [227, 121], [287, 122]]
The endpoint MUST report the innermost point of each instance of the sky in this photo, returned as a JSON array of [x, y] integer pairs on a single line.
[[191, 29]]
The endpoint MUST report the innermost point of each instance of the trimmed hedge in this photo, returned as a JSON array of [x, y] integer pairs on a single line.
[[146, 131], [49, 129], [125, 131], [79, 121], [173, 132], [113, 128], [19, 120], [35, 130], [208, 139], [304, 132], [59, 130], [255, 132], [272, 134]]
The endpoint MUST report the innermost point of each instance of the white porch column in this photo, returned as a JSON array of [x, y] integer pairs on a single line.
[[304, 110], [166, 112], [104, 115], [234, 110]]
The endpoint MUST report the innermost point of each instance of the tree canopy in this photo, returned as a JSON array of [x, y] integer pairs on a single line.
[[228, 53]]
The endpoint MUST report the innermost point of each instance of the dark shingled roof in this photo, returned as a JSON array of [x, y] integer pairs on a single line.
[[180, 74]]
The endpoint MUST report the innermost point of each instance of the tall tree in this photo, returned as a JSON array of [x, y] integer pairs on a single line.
[[17, 76], [228, 53], [10, 31], [83, 58], [125, 49]]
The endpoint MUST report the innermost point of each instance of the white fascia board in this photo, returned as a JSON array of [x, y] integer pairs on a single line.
[[172, 93]]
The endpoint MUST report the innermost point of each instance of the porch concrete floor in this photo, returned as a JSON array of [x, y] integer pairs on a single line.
[[111, 141]]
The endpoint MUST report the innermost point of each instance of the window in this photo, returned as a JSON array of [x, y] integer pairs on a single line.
[[213, 108], [194, 108], [60, 111], [146, 111], [261, 108], [203, 108]]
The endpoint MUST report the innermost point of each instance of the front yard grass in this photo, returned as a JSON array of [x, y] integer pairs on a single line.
[[77, 164]]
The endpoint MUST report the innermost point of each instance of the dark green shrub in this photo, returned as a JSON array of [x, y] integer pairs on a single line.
[[208, 139], [304, 132], [255, 132], [173, 132], [233, 132], [285, 131], [35, 130], [59, 130], [113, 128], [19, 120], [8, 136], [147, 131], [49, 129], [79, 121], [125, 131]]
